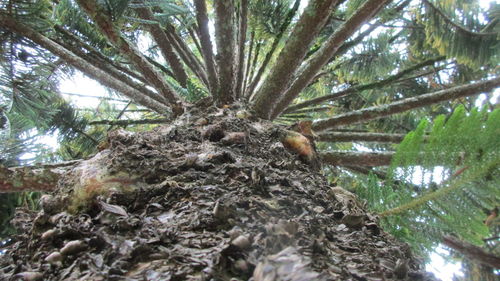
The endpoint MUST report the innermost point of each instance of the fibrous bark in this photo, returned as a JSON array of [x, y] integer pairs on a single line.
[[291, 56], [204, 199], [375, 112]]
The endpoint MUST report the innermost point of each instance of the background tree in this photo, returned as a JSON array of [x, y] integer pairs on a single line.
[[364, 72]]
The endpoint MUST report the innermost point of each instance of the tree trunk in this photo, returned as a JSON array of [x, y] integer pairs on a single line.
[[213, 200]]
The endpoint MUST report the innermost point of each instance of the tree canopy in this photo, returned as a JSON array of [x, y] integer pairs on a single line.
[[365, 73]]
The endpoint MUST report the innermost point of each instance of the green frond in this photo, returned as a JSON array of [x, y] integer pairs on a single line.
[[373, 61], [460, 35], [269, 15], [450, 199]]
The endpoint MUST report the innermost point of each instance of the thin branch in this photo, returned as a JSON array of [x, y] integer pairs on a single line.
[[120, 114], [362, 137], [473, 252], [226, 51], [111, 70], [129, 122], [110, 31], [284, 26], [98, 55], [82, 65], [352, 158], [194, 35], [359, 88], [343, 49], [328, 50], [248, 62], [311, 110], [242, 32], [161, 67], [248, 94], [28, 179], [376, 112], [206, 43], [185, 53], [165, 47], [291, 56], [449, 185]]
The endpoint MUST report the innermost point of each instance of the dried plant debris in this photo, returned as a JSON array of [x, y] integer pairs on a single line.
[[213, 196]]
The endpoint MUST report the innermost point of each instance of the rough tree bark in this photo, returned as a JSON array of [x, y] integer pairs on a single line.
[[212, 196]]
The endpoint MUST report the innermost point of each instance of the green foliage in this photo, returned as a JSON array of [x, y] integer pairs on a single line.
[[68, 14], [268, 16], [31, 105], [454, 29], [373, 60], [442, 179]]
